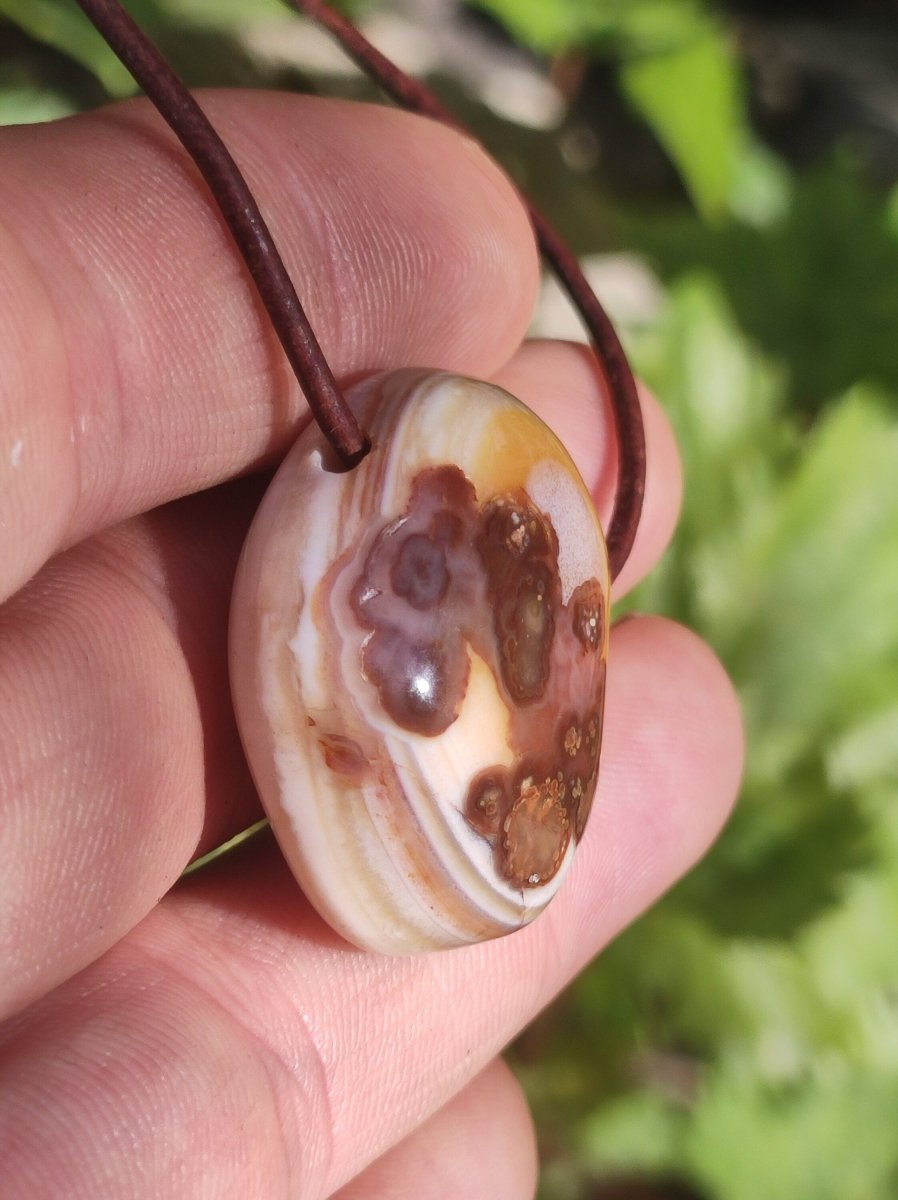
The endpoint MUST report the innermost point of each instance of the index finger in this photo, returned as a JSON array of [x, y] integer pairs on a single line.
[[136, 364]]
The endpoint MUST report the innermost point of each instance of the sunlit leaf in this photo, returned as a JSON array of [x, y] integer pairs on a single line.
[[762, 189], [820, 639], [677, 68], [624, 25], [691, 97], [816, 289]]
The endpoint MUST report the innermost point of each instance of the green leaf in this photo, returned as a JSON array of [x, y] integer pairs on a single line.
[[677, 69], [59, 24], [630, 26], [867, 752], [787, 558], [831, 1138], [816, 288], [787, 555], [817, 642], [223, 15], [690, 95], [641, 1132], [851, 964], [30, 105], [549, 28], [725, 401], [762, 191], [781, 863]]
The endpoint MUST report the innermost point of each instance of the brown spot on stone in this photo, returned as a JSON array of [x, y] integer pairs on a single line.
[[588, 608], [420, 575], [511, 523], [573, 739], [446, 528], [594, 737], [517, 539], [342, 755], [445, 487], [519, 551], [416, 589], [487, 801], [421, 684], [535, 834]]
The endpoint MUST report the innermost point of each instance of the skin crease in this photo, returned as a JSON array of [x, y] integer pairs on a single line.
[[214, 1038]]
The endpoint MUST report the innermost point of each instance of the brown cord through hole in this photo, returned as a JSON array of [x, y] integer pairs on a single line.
[[629, 431], [255, 243]]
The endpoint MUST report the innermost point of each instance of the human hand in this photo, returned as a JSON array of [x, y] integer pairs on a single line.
[[214, 1038]]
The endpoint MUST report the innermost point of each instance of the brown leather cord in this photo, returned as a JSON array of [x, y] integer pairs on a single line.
[[628, 424], [256, 245]]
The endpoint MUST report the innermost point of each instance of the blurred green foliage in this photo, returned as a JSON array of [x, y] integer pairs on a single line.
[[741, 1040], [668, 52], [815, 283], [744, 1035]]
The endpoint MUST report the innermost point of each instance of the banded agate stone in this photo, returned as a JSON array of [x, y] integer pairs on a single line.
[[418, 652]]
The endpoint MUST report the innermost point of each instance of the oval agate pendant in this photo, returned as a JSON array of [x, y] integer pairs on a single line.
[[418, 652]]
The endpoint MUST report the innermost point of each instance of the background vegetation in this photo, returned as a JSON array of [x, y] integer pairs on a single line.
[[740, 1041]]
